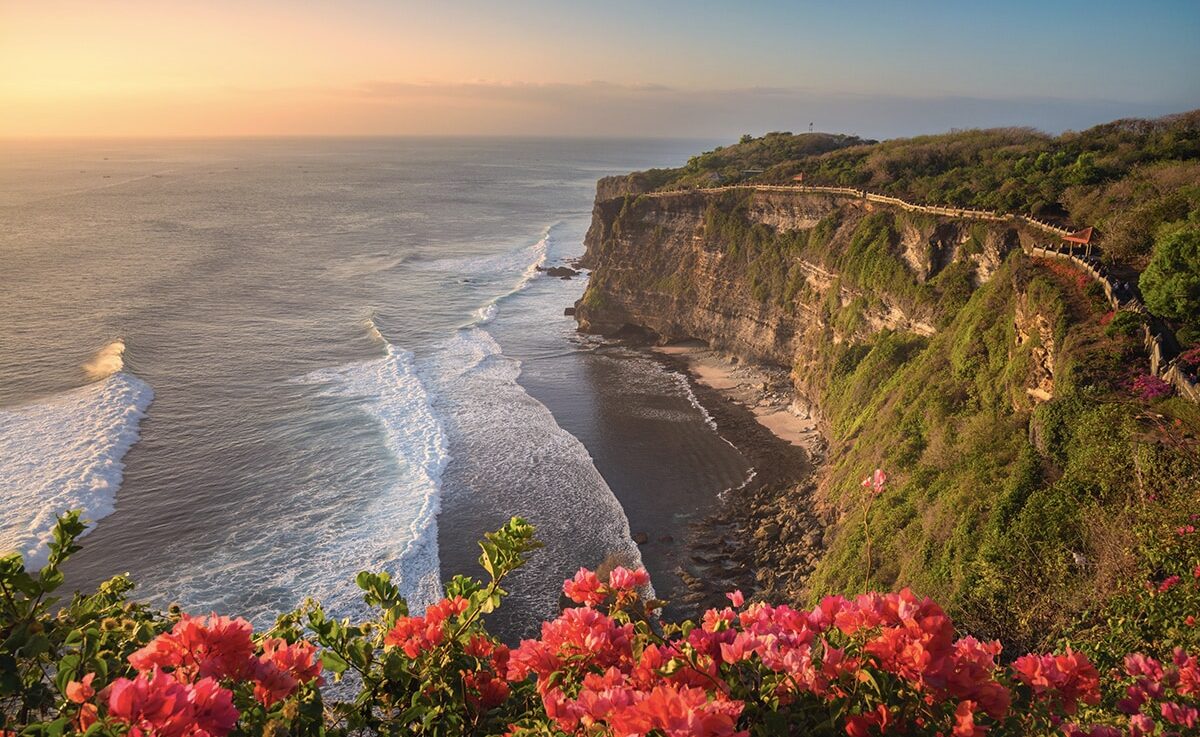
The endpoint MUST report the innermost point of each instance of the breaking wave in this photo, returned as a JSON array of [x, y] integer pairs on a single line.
[[512, 458], [65, 452], [399, 532]]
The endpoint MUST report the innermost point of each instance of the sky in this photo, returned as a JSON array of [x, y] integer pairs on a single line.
[[882, 68]]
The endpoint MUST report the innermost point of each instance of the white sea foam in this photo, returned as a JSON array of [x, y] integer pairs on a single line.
[[399, 530], [108, 360], [686, 388], [530, 258], [65, 452], [512, 457]]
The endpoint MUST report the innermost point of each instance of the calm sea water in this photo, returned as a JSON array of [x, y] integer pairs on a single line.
[[262, 366]]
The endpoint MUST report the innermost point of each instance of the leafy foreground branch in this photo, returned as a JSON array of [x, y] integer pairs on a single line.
[[876, 664]]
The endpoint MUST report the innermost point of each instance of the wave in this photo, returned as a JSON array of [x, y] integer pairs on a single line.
[[65, 452], [512, 458], [108, 360], [521, 263], [533, 257], [366, 264], [399, 531], [686, 387]]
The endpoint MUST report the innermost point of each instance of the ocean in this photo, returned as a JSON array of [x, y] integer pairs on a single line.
[[260, 366]]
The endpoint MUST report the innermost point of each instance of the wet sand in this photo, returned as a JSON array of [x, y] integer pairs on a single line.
[[766, 536]]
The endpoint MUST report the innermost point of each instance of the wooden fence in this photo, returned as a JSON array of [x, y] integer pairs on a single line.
[[957, 212]]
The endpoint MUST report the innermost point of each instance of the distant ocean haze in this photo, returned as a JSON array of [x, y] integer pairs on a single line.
[[266, 365]]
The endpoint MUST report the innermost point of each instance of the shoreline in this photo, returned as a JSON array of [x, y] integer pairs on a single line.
[[766, 536]]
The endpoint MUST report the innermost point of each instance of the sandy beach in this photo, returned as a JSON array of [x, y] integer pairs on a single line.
[[766, 392]]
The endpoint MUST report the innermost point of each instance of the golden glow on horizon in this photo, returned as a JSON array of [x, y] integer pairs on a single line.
[[80, 68], [134, 68]]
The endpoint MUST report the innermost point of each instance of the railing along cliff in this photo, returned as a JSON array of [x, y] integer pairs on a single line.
[[960, 212], [1158, 341]]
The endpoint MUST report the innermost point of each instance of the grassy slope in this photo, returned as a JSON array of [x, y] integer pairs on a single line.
[[1018, 518]]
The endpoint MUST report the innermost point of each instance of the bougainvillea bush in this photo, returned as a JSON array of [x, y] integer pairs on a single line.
[[607, 665]]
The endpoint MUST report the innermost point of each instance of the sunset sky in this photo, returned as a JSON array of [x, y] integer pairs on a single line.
[[262, 67]]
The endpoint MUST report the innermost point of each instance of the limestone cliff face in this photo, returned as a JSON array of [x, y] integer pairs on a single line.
[[665, 264], [1035, 330]]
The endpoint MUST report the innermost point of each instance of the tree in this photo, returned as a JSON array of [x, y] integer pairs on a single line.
[[1171, 282], [746, 138]]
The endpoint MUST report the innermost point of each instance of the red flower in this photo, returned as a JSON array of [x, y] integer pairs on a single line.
[[585, 588], [964, 721], [623, 579], [415, 635], [282, 668], [151, 704], [874, 483], [860, 725], [1064, 680], [213, 709], [1168, 584], [214, 646], [79, 692]]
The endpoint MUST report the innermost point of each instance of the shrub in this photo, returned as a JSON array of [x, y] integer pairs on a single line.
[[874, 664], [1124, 322], [1171, 282], [1150, 387]]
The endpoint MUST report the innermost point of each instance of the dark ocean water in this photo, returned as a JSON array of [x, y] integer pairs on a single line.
[[265, 365]]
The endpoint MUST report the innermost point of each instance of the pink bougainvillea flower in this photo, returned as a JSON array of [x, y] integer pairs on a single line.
[[1168, 584], [1063, 680], [875, 483], [80, 691], [214, 646], [415, 635], [873, 722], [1182, 715], [584, 588], [154, 703], [964, 721], [299, 658], [736, 598], [624, 579], [213, 709], [282, 668]]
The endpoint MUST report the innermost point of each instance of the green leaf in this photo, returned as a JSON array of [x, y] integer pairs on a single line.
[[334, 662]]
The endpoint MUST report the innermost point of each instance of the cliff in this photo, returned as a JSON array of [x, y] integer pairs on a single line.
[[983, 379], [777, 276]]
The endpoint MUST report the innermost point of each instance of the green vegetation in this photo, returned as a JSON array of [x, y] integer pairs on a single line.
[[1035, 492], [1126, 178], [1024, 520], [749, 157], [1171, 282]]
